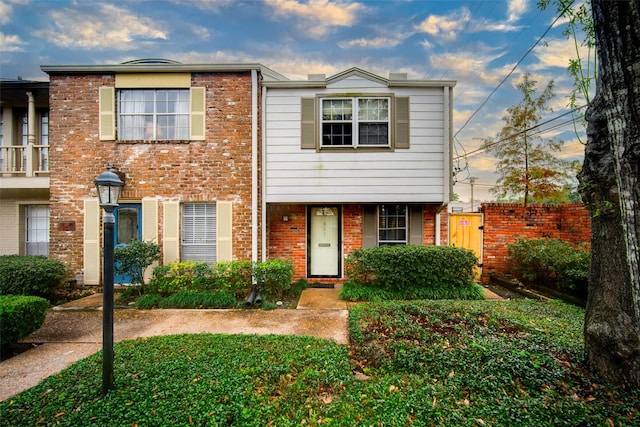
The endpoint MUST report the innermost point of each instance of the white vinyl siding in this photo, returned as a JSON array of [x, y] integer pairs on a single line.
[[198, 232], [417, 173]]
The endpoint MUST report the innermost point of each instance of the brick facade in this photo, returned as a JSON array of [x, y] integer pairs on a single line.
[[216, 169], [288, 239], [505, 223]]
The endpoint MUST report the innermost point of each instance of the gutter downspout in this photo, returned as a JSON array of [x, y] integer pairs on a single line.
[[264, 174], [254, 165]]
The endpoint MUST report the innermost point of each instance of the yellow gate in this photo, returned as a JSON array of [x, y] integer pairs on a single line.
[[465, 231]]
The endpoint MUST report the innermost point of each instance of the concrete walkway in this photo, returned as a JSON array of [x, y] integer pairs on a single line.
[[73, 331]]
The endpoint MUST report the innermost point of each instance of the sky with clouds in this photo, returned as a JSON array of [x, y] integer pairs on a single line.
[[476, 43]]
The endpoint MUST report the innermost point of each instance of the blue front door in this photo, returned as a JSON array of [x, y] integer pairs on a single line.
[[127, 228]]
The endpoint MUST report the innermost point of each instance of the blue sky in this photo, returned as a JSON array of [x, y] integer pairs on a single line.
[[477, 43]]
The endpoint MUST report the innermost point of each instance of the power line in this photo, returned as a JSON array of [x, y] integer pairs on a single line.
[[510, 137], [514, 68]]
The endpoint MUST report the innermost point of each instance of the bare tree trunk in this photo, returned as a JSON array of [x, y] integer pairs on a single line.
[[611, 189]]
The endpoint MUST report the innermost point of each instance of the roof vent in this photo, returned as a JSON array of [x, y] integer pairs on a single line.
[[149, 61]]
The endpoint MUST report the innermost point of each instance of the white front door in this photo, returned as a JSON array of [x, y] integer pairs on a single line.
[[324, 241]]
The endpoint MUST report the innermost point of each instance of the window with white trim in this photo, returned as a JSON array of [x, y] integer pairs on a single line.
[[37, 230], [153, 114], [392, 225], [198, 232], [360, 121]]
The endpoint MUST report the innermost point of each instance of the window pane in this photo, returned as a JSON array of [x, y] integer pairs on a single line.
[[37, 230], [149, 114], [373, 134], [392, 225], [373, 109], [336, 134], [337, 109], [198, 234]]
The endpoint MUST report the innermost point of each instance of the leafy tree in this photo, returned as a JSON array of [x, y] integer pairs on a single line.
[[527, 165], [610, 186], [134, 259], [583, 67]]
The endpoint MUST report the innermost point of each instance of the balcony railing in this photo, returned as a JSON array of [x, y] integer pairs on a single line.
[[24, 160]]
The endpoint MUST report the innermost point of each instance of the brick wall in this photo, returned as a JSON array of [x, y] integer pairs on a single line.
[[218, 168], [288, 239], [505, 223]]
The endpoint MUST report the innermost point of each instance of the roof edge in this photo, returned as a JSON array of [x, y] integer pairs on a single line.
[[160, 68]]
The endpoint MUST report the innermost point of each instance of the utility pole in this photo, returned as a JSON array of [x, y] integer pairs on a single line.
[[472, 180]]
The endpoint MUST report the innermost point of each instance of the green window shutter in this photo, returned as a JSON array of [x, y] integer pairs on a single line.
[[308, 123], [91, 242], [402, 122], [171, 233], [107, 116], [197, 116], [369, 226], [224, 231], [415, 225]]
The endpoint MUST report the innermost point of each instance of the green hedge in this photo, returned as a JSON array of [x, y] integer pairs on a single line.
[[552, 263], [229, 277], [19, 316], [30, 275], [411, 272]]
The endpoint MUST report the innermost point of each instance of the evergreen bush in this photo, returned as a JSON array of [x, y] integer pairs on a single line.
[[411, 272], [19, 316], [552, 263], [30, 275]]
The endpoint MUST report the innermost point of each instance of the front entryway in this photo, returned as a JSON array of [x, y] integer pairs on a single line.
[[324, 241], [127, 228]]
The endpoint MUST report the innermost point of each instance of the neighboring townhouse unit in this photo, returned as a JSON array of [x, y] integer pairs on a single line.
[[24, 167], [186, 140], [354, 160]]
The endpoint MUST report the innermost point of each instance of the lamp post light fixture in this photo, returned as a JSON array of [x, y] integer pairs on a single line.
[[108, 185]]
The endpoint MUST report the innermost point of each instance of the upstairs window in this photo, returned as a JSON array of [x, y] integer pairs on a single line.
[[153, 114], [349, 122]]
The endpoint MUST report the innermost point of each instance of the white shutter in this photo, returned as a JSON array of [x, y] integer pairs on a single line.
[[91, 242], [171, 233], [225, 231], [107, 116], [197, 117]]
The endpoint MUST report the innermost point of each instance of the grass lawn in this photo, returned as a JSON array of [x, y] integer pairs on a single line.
[[423, 363]]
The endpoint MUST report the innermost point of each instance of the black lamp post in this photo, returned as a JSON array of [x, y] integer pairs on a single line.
[[108, 185]]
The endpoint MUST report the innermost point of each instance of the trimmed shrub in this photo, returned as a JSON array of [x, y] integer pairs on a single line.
[[19, 316], [411, 272], [135, 258], [30, 275], [190, 299], [235, 277], [552, 263], [182, 276], [276, 275]]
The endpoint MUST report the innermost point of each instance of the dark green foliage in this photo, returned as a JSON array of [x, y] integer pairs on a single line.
[[410, 272], [275, 275], [191, 299], [230, 277], [552, 263], [134, 259], [429, 363], [30, 275], [19, 316]]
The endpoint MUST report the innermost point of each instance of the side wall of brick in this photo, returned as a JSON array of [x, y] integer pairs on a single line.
[[506, 223]]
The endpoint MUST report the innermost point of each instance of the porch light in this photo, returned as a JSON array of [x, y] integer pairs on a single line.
[[108, 185]]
